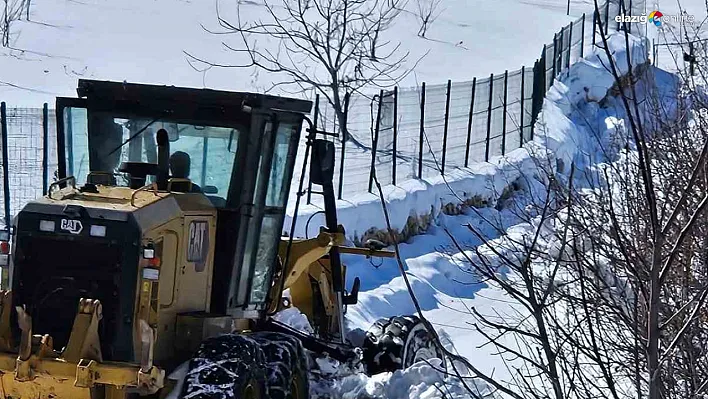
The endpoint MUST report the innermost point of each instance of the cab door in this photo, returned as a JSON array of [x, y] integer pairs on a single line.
[[197, 258], [72, 139]]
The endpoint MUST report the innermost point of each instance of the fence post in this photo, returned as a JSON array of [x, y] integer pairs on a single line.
[[469, 123], [620, 25], [521, 122], [506, 81], [594, 25], [314, 126], [653, 51], [567, 12], [559, 59], [489, 117], [544, 70], [375, 142], [539, 88], [45, 149], [422, 130], [5, 166], [395, 131], [447, 118], [582, 38], [656, 51], [344, 144], [555, 54], [607, 17], [570, 45]]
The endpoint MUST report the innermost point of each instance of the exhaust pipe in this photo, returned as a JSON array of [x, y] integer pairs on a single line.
[[163, 159]]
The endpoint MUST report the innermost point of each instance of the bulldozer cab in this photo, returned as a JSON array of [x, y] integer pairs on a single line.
[[237, 149]]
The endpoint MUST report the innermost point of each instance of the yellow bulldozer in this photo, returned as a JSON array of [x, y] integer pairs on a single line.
[[160, 245]]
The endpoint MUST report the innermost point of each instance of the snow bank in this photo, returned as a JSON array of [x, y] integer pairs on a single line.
[[589, 79], [584, 87], [420, 381], [482, 183]]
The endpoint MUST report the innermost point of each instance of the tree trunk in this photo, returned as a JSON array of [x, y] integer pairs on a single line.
[[549, 353], [655, 387], [6, 26], [342, 119]]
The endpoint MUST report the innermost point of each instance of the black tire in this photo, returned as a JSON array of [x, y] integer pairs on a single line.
[[397, 343], [226, 366], [286, 365]]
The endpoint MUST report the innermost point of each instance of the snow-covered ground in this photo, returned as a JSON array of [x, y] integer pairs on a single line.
[[144, 41]]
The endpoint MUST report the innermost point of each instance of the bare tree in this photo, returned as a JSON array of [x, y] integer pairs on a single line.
[[610, 277], [12, 11], [336, 47], [427, 13]]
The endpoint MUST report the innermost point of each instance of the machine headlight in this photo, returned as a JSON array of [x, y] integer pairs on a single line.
[[149, 251], [98, 231]]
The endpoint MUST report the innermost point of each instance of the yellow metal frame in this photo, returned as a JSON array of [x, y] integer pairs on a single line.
[[306, 261], [174, 180], [37, 371], [34, 370]]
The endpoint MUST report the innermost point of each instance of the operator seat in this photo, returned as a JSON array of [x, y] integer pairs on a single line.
[[180, 165]]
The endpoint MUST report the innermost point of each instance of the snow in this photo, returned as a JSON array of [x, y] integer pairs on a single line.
[[422, 380], [145, 42], [419, 381], [446, 287], [295, 319], [358, 213]]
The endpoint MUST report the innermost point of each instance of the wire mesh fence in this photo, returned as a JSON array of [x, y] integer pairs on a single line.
[[679, 57], [609, 17], [424, 131], [29, 156]]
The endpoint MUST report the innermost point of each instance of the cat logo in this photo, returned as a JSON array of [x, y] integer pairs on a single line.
[[72, 226], [198, 243]]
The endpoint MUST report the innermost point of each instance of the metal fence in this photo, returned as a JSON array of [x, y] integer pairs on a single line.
[[679, 57], [29, 156], [405, 133], [424, 131]]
